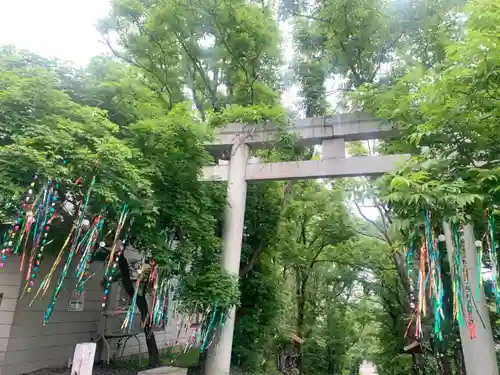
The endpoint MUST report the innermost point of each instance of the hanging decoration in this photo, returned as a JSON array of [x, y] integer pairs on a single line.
[[121, 222], [430, 282], [410, 252], [153, 282], [159, 290], [114, 256], [28, 236], [44, 285], [87, 248], [129, 317], [44, 213], [204, 335], [160, 316], [430, 286], [212, 323], [491, 247], [159, 287], [463, 303], [434, 264], [21, 227], [75, 244]]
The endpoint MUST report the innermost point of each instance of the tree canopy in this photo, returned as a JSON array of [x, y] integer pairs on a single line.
[[315, 265]]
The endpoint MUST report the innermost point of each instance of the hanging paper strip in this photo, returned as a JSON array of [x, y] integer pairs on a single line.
[[153, 281], [410, 252], [436, 285], [129, 317], [121, 222], [429, 282], [161, 306], [10, 237], [87, 249], [114, 256], [479, 282], [213, 322], [208, 327], [44, 214], [491, 246], [75, 244], [44, 286], [21, 228], [421, 293]]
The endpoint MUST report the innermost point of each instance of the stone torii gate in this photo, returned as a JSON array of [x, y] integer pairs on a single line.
[[331, 132]]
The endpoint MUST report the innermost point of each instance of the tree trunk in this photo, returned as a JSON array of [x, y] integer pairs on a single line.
[[199, 368], [415, 368], [399, 262], [355, 367], [142, 305], [299, 290], [446, 364], [458, 358], [462, 361]]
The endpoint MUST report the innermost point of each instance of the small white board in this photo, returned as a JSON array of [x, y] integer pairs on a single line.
[[83, 358]]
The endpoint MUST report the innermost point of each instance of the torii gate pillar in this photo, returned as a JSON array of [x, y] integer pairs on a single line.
[[219, 358]]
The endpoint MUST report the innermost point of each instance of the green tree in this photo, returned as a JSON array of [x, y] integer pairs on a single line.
[[217, 53], [150, 158], [447, 117], [315, 222], [223, 52]]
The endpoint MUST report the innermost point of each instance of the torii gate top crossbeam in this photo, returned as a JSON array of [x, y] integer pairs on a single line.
[[310, 131]]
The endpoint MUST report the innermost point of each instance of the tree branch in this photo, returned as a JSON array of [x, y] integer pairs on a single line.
[[372, 222], [309, 17], [374, 236], [245, 269], [355, 265], [314, 259]]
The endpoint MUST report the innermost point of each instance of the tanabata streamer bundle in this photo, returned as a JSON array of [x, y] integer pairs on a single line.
[[29, 235], [430, 280]]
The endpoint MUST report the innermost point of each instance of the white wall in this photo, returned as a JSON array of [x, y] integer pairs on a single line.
[[10, 280], [32, 345], [171, 335], [26, 345]]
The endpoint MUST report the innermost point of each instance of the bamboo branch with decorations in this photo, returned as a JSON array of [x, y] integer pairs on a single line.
[[208, 295], [28, 237]]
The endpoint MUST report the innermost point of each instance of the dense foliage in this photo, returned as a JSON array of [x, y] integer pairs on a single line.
[[322, 285]]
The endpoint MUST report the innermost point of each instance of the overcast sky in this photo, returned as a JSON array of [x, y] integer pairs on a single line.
[[66, 29], [54, 28]]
